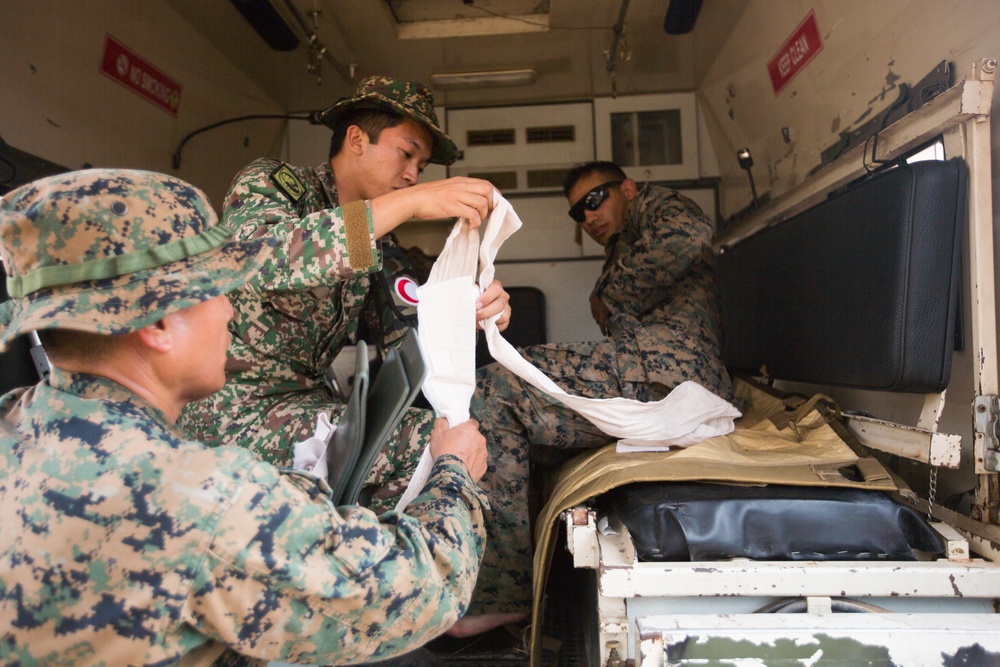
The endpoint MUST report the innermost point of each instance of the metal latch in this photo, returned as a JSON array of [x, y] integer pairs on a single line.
[[986, 419], [38, 357]]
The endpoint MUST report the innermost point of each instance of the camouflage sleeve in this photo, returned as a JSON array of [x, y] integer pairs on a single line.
[[661, 239], [324, 585], [316, 249]]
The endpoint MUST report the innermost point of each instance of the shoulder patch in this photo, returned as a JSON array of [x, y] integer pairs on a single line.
[[406, 290], [286, 181]]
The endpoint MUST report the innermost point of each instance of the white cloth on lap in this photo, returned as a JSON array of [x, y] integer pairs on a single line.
[[310, 454]]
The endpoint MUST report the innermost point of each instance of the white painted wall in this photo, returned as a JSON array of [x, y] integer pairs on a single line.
[[57, 105], [869, 48]]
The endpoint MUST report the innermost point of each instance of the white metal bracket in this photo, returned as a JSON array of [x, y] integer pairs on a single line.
[[914, 443], [985, 419]]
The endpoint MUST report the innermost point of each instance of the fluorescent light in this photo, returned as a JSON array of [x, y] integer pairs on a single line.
[[503, 77]]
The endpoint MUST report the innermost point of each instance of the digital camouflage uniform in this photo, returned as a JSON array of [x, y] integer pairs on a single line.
[[328, 280], [132, 545], [659, 285], [306, 305], [124, 542], [323, 281]]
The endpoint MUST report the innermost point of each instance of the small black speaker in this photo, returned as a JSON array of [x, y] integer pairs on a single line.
[[681, 15]]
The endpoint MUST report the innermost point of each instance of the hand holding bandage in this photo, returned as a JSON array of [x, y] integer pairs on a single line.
[[445, 315]]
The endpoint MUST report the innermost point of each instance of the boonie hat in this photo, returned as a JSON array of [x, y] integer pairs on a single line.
[[406, 97], [113, 250]]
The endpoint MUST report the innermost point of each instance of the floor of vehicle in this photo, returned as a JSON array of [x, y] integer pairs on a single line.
[[564, 628]]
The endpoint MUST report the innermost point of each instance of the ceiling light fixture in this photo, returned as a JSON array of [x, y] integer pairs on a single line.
[[503, 77]]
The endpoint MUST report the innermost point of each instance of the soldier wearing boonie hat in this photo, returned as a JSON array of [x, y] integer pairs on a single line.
[[83, 252], [407, 98], [335, 278], [125, 542]]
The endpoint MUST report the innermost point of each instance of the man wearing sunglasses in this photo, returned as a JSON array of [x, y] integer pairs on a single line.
[[656, 302], [656, 296], [657, 273]]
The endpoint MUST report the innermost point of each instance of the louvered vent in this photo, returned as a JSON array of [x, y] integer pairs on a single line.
[[543, 135], [546, 178], [501, 180], [490, 137]]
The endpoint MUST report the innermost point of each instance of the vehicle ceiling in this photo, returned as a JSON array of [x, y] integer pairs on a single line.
[[367, 37]]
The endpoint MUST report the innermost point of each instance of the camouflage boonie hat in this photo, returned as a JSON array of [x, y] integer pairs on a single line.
[[406, 97], [113, 250]]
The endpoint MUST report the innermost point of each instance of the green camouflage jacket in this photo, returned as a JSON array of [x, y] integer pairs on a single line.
[[123, 543], [323, 281], [658, 282]]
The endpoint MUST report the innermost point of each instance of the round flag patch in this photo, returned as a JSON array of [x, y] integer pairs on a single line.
[[406, 289]]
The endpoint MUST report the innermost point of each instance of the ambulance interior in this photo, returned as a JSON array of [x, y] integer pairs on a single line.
[[800, 127]]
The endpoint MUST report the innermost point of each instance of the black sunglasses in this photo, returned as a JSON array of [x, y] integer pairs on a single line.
[[591, 201]]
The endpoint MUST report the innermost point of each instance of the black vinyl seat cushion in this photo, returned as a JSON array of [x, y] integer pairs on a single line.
[[692, 521]]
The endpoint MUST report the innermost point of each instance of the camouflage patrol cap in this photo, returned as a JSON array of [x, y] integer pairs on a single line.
[[113, 250], [406, 97]]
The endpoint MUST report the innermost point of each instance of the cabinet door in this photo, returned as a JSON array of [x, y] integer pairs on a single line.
[[522, 149], [652, 137]]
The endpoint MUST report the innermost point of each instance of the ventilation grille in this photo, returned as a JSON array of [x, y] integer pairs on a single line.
[[547, 178], [543, 135], [490, 137], [501, 180]]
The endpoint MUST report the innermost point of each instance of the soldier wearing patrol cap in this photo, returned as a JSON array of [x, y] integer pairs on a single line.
[[124, 542], [334, 276]]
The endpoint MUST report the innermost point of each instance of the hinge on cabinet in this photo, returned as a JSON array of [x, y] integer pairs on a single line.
[[986, 420]]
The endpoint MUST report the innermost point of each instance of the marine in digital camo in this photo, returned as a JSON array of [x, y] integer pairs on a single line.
[[125, 542]]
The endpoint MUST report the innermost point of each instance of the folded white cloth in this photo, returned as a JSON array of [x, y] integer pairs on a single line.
[[310, 454], [446, 315], [416, 484]]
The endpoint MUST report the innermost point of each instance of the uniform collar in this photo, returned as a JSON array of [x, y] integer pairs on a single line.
[[95, 387], [325, 173]]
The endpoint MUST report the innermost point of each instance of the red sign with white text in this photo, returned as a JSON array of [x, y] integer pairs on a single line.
[[795, 53], [132, 71]]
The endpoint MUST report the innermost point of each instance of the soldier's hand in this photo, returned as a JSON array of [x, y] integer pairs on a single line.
[[493, 300], [464, 441], [458, 197]]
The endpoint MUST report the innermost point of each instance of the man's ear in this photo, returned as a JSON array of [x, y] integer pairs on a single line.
[[355, 139], [630, 189], [157, 336]]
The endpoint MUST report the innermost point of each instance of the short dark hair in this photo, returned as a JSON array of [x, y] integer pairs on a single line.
[[609, 170], [68, 344], [370, 119]]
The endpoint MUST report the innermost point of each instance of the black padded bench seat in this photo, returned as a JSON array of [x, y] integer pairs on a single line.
[[860, 290], [691, 521]]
